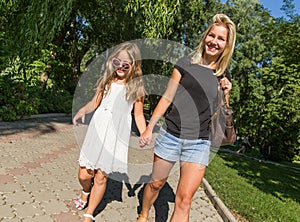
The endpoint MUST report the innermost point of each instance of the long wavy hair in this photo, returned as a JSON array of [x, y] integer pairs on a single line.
[[133, 82], [224, 59]]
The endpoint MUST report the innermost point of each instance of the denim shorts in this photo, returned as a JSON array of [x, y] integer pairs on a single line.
[[172, 148]]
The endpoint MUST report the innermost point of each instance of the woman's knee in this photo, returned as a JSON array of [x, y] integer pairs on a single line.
[[157, 185], [184, 201]]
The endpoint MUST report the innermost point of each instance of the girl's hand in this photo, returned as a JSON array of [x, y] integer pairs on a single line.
[[226, 85], [79, 115], [146, 137]]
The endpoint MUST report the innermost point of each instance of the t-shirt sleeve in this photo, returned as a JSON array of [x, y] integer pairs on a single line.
[[181, 64]]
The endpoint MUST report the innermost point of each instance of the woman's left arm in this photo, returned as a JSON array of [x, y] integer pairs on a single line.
[[226, 86], [139, 115]]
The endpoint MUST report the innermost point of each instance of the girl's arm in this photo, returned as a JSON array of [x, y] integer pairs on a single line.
[[161, 107], [139, 115], [88, 108]]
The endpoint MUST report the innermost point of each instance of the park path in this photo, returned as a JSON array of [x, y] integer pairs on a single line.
[[38, 178]]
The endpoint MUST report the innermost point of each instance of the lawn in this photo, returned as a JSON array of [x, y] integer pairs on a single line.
[[256, 191]]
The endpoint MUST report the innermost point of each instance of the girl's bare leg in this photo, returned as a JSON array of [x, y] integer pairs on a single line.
[[97, 192], [85, 177]]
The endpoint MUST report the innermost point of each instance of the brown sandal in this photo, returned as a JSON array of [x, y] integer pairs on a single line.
[[144, 218]]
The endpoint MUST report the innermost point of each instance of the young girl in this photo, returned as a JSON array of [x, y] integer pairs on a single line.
[[105, 147]]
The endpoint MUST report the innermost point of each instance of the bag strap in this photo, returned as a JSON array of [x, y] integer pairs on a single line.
[[223, 95]]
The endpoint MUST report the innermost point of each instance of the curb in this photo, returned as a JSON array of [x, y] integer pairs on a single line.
[[46, 115], [218, 204], [38, 116]]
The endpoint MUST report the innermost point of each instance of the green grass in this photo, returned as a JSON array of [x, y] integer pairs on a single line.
[[256, 191]]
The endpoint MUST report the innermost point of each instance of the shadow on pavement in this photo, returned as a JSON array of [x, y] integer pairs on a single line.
[[161, 204], [114, 193], [40, 125], [113, 190]]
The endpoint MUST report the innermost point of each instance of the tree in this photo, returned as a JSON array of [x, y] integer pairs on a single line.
[[281, 80]]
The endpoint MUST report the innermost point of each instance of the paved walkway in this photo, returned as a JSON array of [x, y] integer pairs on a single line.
[[38, 178]]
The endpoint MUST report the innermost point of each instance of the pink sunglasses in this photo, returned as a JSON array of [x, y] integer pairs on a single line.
[[124, 65]]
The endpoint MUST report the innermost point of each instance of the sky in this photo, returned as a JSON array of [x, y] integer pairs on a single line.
[[274, 6]]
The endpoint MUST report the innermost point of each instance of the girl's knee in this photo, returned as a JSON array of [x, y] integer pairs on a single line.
[[85, 174], [100, 179]]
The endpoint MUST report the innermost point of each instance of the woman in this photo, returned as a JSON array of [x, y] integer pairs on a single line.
[[185, 134]]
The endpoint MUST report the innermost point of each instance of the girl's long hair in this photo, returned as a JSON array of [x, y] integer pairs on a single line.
[[133, 82], [224, 59]]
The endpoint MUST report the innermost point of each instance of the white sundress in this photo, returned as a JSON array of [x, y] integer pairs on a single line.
[[105, 146]]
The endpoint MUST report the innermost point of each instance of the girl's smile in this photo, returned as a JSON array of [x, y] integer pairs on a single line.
[[122, 64]]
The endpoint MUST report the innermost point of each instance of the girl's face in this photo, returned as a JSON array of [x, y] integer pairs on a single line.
[[122, 64], [215, 41]]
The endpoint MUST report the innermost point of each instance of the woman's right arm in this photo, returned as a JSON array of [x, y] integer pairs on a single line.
[[161, 107], [88, 108]]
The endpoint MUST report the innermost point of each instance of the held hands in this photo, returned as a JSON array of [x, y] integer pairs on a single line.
[[79, 115], [146, 137], [226, 85]]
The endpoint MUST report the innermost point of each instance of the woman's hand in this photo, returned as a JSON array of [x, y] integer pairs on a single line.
[[79, 115], [226, 85], [146, 137]]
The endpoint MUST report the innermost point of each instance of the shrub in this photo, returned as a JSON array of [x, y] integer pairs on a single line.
[[17, 99]]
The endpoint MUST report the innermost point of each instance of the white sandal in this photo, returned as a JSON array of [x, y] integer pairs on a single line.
[[89, 216], [79, 203]]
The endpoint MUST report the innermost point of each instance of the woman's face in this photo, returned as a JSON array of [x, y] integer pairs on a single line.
[[215, 41], [122, 64]]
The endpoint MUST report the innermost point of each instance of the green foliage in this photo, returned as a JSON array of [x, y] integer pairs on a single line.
[[259, 110], [281, 112], [23, 93], [19, 99], [55, 100], [16, 99], [41, 21], [158, 16], [192, 19]]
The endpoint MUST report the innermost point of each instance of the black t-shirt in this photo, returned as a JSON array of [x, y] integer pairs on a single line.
[[193, 103]]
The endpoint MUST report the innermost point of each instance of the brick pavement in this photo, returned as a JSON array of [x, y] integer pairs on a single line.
[[38, 178]]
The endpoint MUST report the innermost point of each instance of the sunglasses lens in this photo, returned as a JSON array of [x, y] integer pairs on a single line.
[[116, 62], [125, 66]]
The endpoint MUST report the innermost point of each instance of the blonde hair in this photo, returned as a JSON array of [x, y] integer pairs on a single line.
[[224, 59], [133, 82]]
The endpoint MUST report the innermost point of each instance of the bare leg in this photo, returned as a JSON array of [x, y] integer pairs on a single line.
[[160, 172], [242, 149], [85, 179], [191, 175], [97, 193]]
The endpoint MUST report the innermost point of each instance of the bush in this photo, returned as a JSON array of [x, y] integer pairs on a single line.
[[19, 99], [56, 101]]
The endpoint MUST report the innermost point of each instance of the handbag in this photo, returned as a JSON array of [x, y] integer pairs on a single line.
[[221, 124]]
